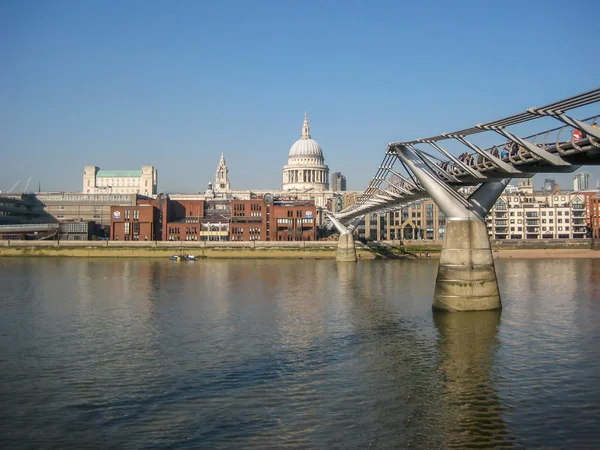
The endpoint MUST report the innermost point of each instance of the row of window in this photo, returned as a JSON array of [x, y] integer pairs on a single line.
[[308, 220], [533, 200], [535, 214], [298, 213], [92, 198], [176, 237], [188, 230], [529, 222], [560, 228]]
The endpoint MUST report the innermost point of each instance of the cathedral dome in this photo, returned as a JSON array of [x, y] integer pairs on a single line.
[[306, 169], [305, 146]]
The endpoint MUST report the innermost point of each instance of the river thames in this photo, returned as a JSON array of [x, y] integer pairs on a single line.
[[119, 353]]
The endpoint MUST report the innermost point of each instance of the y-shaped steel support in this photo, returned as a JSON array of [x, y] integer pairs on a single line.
[[346, 251], [466, 279]]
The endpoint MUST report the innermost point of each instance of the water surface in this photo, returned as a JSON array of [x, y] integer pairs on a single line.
[[113, 353]]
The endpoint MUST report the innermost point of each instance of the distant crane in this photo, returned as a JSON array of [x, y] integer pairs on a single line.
[[14, 186], [27, 185]]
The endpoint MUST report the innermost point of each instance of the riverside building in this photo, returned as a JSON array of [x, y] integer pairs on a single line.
[[519, 213], [270, 219], [538, 215], [594, 207], [99, 181], [75, 206]]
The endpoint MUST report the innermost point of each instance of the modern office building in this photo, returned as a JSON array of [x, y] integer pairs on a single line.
[[549, 185], [22, 209], [581, 181], [22, 216], [338, 182], [420, 220], [75, 206]]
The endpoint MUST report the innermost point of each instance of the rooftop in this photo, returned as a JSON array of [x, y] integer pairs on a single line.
[[118, 173]]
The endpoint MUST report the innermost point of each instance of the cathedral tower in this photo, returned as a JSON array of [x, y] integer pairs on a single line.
[[222, 178]]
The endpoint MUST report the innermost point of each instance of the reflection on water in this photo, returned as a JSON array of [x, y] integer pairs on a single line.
[[467, 347], [299, 354]]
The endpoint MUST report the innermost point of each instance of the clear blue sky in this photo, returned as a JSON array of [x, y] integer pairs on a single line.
[[121, 84]]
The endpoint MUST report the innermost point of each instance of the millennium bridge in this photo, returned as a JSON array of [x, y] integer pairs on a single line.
[[466, 279]]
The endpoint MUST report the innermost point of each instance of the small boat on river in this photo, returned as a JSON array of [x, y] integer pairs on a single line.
[[184, 258]]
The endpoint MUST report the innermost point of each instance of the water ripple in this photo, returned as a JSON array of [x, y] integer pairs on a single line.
[[293, 354]]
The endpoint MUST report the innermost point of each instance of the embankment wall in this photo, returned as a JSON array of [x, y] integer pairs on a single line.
[[257, 249], [502, 244], [162, 249]]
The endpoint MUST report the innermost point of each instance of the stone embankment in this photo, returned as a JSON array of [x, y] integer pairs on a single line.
[[162, 249], [290, 249]]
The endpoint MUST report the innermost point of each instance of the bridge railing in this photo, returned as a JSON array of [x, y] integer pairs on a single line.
[[562, 140], [393, 188]]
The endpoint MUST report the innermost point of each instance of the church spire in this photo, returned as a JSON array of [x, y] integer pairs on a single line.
[[222, 176], [305, 128]]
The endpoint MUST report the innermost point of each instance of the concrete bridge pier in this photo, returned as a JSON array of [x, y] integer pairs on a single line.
[[466, 279], [346, 251]]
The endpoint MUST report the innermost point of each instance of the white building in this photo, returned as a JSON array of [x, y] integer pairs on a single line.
[[538, 215], [510, 189], [143, 182]]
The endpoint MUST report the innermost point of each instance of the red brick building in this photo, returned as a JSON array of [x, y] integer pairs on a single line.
[[183, 220], [134, 223], [185, 209], [589, 197], [219, 220], [272, 220], [594, 216]]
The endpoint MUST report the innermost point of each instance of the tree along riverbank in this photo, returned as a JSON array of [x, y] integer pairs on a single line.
[[580, 248]]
